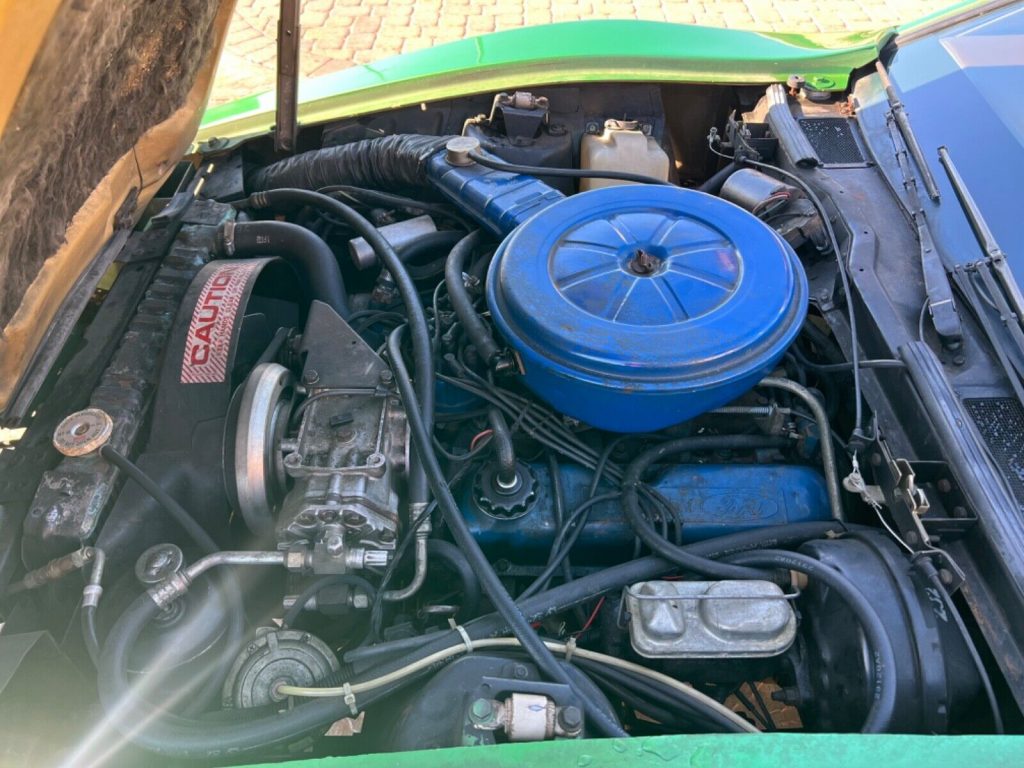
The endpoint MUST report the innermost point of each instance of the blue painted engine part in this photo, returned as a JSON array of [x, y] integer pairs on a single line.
[[632, 308], [635, 308], [713, 500], [500, 201]]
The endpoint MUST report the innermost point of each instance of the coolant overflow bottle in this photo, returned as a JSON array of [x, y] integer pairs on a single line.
[[622, 147]]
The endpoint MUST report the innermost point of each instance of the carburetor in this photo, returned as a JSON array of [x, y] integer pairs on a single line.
[[322, 475]]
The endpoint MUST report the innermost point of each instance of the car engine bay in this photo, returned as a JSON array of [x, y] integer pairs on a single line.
[[534, 415]]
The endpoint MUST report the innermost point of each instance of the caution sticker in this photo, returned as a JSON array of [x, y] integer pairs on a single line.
[[213, 322]]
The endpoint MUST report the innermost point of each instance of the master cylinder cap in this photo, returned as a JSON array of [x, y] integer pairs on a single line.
[[637, 307]]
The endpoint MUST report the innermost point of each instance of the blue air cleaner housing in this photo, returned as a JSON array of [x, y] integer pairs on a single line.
[[637, 307]]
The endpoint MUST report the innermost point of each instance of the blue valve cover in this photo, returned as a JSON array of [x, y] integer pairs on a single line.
[[637, 307]]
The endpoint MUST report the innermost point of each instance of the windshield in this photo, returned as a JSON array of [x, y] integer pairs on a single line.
[[338, 34]]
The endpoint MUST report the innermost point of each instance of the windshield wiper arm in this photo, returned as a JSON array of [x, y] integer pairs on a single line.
[[937, 288], [1001, 288]]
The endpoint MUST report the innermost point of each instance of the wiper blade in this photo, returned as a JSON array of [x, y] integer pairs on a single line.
[[899, 115], [939, 292], [995, 257], [1001, 289]]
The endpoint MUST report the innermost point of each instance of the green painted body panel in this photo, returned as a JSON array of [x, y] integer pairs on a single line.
[[573, 52], [711, 751]]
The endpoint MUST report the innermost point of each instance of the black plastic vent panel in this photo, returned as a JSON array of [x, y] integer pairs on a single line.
[[833, 140], [1001, 422]]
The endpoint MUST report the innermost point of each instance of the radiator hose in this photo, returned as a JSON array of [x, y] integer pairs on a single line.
[[311, 257]]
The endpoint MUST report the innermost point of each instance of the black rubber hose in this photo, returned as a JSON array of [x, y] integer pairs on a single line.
[[432, 241], [311, 257], [171, 734], [423, 357], [236, 618], [567, 535], [388, 162], [564, 173], [476, 329], [320, 584], [611, 579], [649, 690], [451, 557], [489, 580], [167, 733], [193, 530], [504, 450], [883, 661], [713, 185], [435, 241], [645, 531]]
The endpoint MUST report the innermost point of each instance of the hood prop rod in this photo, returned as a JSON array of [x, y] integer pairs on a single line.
[[286, 117]]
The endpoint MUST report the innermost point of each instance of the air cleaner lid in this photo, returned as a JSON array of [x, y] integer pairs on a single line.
[[647, 288]]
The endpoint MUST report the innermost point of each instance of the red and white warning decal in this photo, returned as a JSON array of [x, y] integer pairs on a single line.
[[213, 323]]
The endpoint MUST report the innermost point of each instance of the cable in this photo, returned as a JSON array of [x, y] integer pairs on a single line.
[[510, 642], [376, 197], [646, 532], [858, 409], [188, 523], [564, 173], [564, 540], [558, 510], [883, 658], [843, 367], [858, 428], [489, 580], [592, 616]]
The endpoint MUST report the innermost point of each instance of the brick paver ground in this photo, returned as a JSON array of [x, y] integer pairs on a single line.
[[339, 33]]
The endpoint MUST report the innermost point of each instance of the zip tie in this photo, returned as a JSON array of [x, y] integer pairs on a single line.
[[462, 631], [350, 699], [570, 648]]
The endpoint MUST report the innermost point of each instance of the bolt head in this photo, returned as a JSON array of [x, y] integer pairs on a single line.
[[570, 719], [158, 562], [481, 710], [335, 545]]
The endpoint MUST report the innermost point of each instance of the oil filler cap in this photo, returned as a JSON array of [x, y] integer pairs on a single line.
[[637, 307]]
